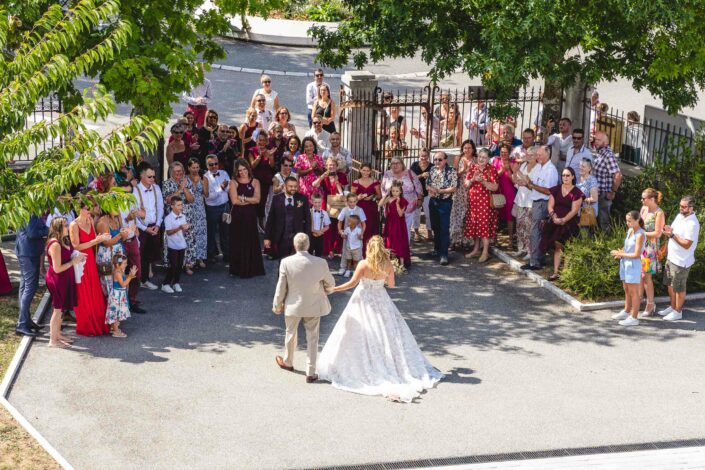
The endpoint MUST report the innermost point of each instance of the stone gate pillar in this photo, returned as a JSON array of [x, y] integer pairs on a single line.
[[358, 113]]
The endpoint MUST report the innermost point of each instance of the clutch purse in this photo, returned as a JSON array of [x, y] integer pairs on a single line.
[[497, 201], [335, 204]]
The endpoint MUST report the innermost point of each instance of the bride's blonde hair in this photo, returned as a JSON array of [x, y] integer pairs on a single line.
[[377, 255]]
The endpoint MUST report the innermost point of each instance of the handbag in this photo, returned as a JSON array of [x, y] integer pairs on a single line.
[[334, 204], [497, 201], [662, 251], [588, 217]]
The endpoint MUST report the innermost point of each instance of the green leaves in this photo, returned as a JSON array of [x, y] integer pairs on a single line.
[[656, 45]]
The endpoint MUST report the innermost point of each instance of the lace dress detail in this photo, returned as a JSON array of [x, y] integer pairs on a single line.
[[371, 350]]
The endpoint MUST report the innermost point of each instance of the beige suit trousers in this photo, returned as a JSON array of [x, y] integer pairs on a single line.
[[311, 324]]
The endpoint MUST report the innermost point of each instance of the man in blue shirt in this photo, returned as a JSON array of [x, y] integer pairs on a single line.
[[29, 246]]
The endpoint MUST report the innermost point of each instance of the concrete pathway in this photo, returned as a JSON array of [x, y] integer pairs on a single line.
[[195, 384]]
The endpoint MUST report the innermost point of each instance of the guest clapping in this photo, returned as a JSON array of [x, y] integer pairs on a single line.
[[481, 225], [118, 305], [245, 252], [396, 236], [630, 269]]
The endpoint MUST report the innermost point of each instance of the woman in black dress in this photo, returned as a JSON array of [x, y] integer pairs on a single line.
[[245, 251]]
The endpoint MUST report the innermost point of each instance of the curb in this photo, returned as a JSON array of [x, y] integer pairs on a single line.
[[10, 376], [280, 73], [515, 265]]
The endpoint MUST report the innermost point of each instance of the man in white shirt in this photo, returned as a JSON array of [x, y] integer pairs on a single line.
[[197, 100], [351, 209], [216, 205], [264, 116], [476, 122], [132, 249], [560, 143], [312, 92], [175, 225], [320, 135], [149, 198], [578, 151], [342, 156], [683, 240], [543, 179]]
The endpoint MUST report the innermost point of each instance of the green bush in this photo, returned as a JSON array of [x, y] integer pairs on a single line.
[[315, 10], [591, 273]]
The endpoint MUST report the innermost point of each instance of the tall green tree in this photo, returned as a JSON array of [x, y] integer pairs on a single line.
[[657, 45], [38, 59]]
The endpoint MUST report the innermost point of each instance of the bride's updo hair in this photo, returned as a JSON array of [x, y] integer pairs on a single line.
[[377, 255]]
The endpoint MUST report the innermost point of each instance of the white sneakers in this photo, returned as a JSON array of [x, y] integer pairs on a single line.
[[665, 311], [675, 315], [177, 288], [167, 289], [341, 271], [620, 316], [629, 321], [149, 285], [348, 273]]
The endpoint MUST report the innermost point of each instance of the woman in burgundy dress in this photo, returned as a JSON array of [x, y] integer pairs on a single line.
[[261, 161], [90, 311], [563, 207], [481, 221], [245, 251], [60, 278], [396, 233], [5, 285], [247, 129], [328, 184], [368, 193]]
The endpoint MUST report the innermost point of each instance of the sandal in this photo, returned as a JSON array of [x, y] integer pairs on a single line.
[[201, 264], [118, 334], [647, 312], [554, 277], [188, 271], [59, 345], [473, 254], [483, 258]]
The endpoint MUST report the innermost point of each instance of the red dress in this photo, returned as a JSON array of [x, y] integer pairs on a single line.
[[371, 210], [332, 243], [264, 174], [90, 311], [62, 286], [5, 285], [396, 235], [482, 222]]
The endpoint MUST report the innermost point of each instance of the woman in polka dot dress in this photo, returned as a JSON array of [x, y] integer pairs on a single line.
[[481, 222]]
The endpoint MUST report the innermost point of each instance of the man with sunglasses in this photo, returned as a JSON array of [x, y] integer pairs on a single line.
[[442, 182], [682, 240], [560, 142], [216, 205], [320, 135], [312, 92], [264, 116], [578, 151], [149, 199]]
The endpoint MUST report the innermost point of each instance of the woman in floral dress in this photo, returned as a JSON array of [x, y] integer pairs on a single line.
[[481, 222], [504, 165], [460, 198], [309, 165], [196, 253], [654, 221]]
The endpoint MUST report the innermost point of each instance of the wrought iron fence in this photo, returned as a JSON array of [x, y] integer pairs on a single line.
[[46, 109], [636, 142], [401, 122]]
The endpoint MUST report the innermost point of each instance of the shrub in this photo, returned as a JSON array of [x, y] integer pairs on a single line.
[[591, 273]]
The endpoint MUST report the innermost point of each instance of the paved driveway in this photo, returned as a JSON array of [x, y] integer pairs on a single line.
[[195, 384]]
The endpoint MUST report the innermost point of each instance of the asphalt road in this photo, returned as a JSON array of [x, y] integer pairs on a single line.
[[195, 384]]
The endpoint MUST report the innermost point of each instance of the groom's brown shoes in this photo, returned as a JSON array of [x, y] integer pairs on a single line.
[[311, 378], [282, 364]]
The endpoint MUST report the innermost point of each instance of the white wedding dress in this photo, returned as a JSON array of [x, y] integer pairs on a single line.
[[371, 350]]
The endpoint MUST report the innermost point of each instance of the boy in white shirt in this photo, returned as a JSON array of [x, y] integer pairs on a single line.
[[175, 225], [320, 223], [352, 243], [351, 209]]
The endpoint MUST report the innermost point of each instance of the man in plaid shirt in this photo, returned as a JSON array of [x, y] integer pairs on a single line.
[[608, 175]]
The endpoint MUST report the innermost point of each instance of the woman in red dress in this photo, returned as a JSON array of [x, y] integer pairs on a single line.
[[328, 184], [90, 311], [396, 233], [368, 193], [261, 160], [60, 279], [5, 285], [481, 223]]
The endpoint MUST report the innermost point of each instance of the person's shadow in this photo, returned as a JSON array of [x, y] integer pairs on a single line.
[[461, 375]]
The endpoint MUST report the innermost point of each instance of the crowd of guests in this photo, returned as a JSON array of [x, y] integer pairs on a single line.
[[235, 195]]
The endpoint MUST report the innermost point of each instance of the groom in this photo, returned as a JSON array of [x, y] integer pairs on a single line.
[[288, 216], [304, 282]]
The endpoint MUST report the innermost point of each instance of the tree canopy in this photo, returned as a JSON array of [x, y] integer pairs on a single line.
[[656, 45], [38, 59]]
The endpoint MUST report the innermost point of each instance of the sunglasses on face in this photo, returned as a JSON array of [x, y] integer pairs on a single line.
[[267, 81], [318, 75], [212, 164], [261, 101], [150, 177], [684, 207]]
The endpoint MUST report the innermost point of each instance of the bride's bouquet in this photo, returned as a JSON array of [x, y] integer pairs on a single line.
[[398, 265]]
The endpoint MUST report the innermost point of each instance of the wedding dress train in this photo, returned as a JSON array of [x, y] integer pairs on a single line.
[[371, 350]]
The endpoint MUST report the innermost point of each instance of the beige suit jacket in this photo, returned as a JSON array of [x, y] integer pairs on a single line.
[[304, 281]]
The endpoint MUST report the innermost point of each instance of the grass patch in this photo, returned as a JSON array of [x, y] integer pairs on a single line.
[[18, 450]]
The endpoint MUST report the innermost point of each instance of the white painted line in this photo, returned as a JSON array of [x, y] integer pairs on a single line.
[[35, 434], [309, 74], [256, 71], [296, 74], [274, 72], [231, 68], [9, 379]]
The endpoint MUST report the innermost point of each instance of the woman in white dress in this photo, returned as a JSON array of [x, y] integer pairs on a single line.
[[371, 350]]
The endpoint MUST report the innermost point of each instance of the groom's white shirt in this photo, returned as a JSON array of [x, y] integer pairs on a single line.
[[304, 281]]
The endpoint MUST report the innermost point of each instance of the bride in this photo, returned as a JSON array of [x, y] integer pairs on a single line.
[[371, 349]]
